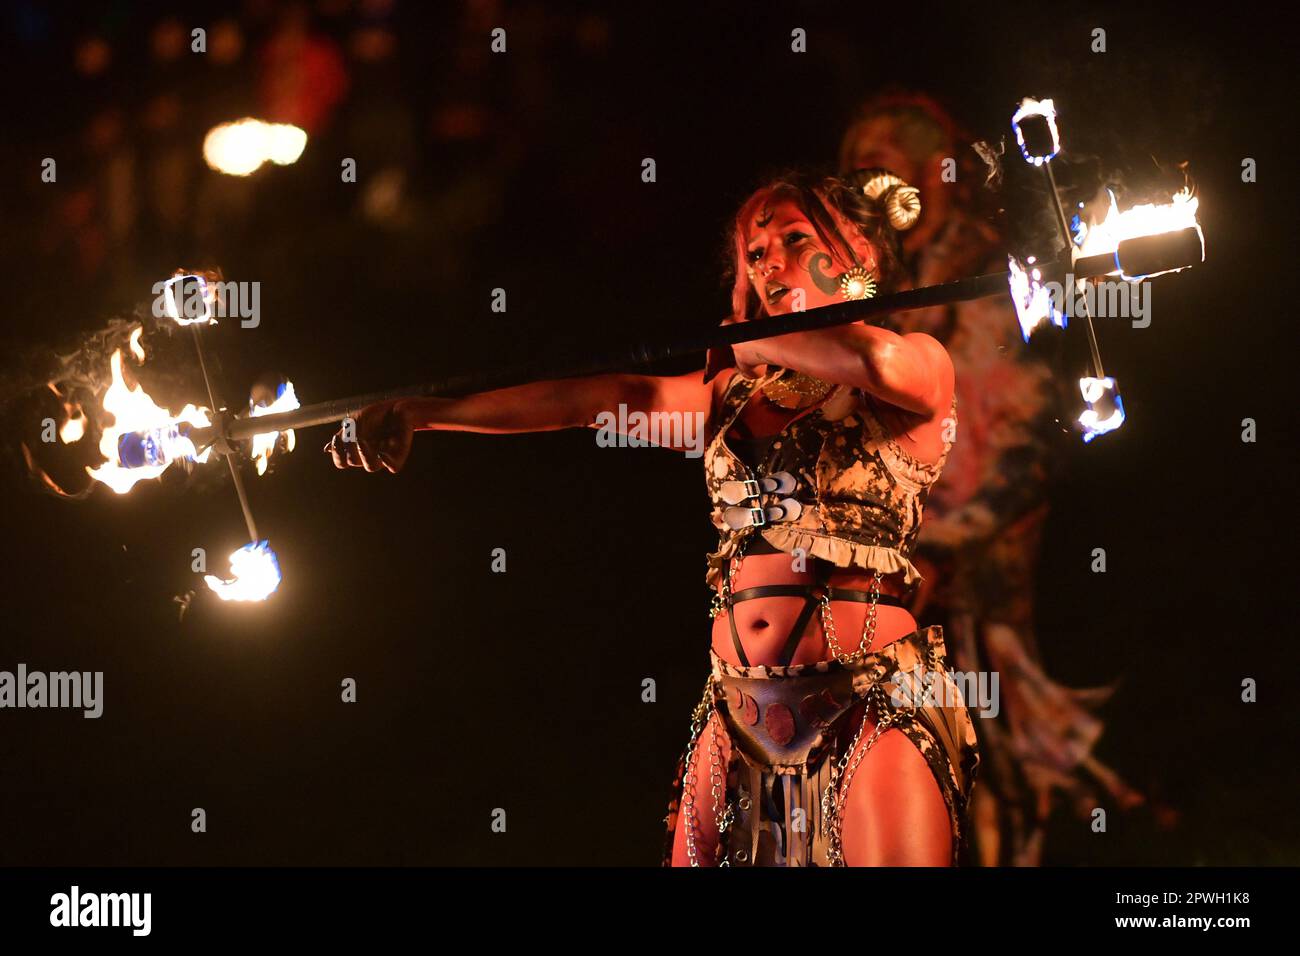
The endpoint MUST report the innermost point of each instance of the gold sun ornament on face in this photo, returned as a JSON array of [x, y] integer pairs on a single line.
[[857, 283]]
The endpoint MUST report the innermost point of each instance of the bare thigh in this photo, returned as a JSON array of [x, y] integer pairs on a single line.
[[706, 840], [894, 812]]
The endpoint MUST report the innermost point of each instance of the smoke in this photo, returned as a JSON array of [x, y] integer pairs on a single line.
[[42, 388], [992, 158]]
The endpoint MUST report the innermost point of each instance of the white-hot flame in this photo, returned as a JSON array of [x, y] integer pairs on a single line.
[[188, 300], [134, 411], [1046, 109], [74, 429], [1033, 301], [137, 349], [264, 443], [1093, 390], [1148, 219], [255, 574], [241, 147]]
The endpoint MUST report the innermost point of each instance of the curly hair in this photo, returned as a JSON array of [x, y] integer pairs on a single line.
[[870, 216]]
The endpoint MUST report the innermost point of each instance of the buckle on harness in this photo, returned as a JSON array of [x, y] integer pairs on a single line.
[[734, 492], [787, 509]]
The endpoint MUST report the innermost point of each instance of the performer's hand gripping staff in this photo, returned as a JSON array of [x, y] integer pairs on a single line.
[[380, 436]]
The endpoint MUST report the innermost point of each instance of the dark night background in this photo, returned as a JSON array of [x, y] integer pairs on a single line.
[[522, 691]]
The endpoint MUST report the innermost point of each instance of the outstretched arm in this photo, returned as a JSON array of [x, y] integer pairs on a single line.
[[384, 431]]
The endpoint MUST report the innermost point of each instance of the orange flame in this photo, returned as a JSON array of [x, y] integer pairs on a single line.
[[136, 348], [255, 574], [264, 442], [133, 410], [1148, 219]]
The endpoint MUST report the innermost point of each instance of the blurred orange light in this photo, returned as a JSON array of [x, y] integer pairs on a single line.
[[241, 147]]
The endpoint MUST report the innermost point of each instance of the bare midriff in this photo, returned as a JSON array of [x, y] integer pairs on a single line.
[[764, 624]]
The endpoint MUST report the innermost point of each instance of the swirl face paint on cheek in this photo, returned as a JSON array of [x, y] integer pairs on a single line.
[[814, 264]]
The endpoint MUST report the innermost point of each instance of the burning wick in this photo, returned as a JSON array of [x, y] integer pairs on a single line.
[[1129, 230], [187, 300], [264, 442], [1031, 297], [1105, 411], [1036, 133], [157, 448], [255, 574], [141, 432]]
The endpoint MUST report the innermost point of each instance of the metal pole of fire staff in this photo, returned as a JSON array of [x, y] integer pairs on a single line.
[[1165, 250], [230, 460], [1063, 226], [1034, 123]]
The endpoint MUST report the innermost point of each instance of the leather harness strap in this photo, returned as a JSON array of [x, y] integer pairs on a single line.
[[796, 632], [809, 592], [735, 635]]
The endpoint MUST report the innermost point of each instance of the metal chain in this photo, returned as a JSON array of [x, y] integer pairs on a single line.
[[836, 792], [722, 603], [722, 598], [722, 813], [705, 712], [868, 626], [833, 797], [698, 718], [830, 796]]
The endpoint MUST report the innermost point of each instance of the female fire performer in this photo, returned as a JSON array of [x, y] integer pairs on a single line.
[[830, 731]]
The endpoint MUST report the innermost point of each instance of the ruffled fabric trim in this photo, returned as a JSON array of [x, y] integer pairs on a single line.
[[843, 553], [838, 551], [913, 472]]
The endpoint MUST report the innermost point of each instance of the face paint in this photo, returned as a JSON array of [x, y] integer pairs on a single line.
[[827, 283], [783, 253]]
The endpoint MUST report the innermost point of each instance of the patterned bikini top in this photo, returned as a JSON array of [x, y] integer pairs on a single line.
[[856, 498]]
